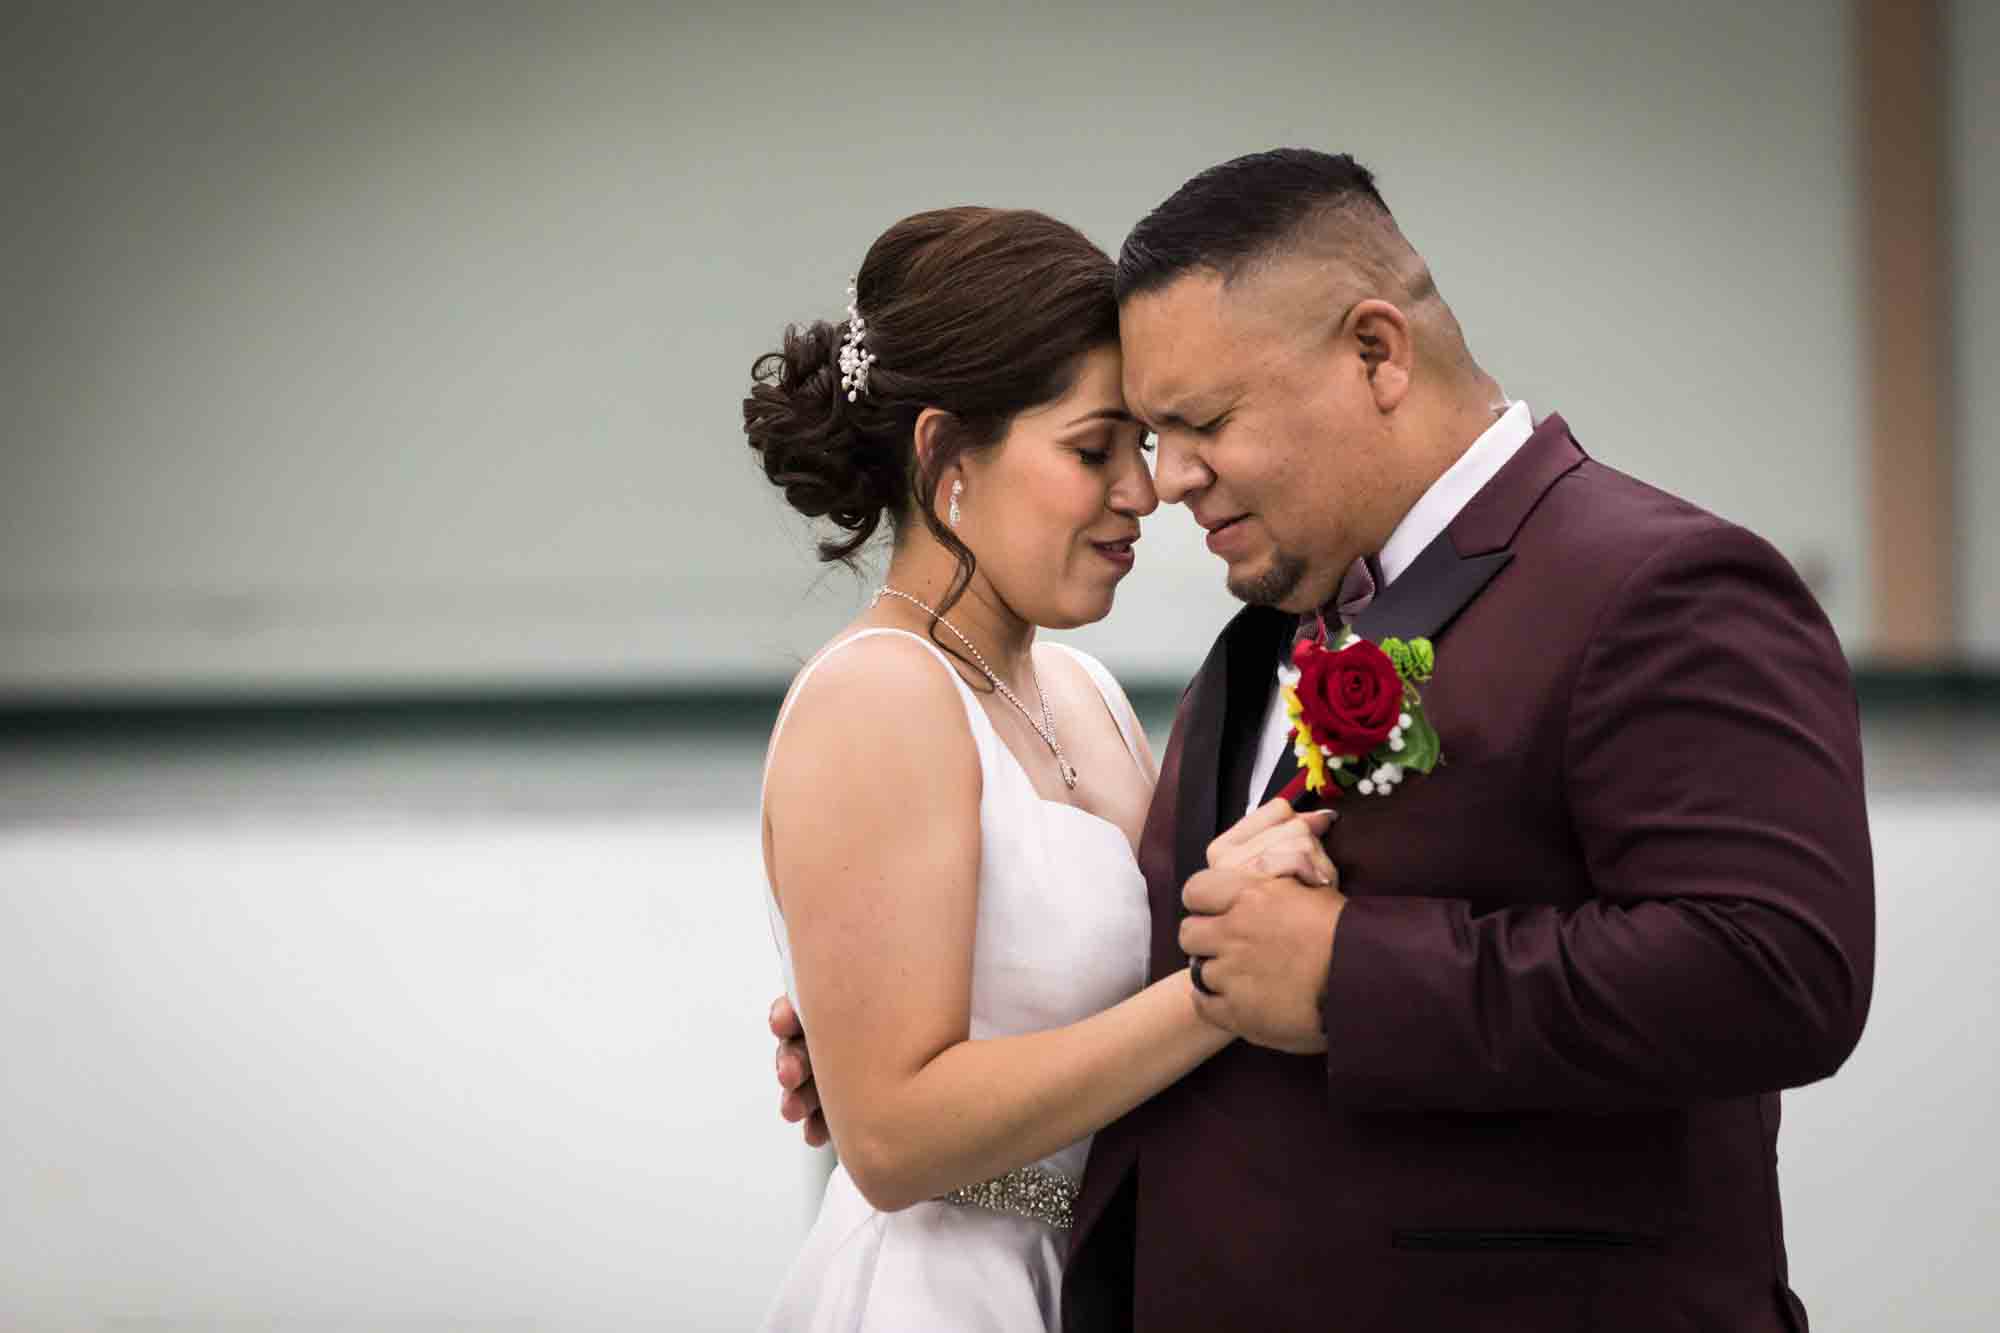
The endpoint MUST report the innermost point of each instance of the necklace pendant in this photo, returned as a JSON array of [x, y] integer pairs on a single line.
[[1068, 771]]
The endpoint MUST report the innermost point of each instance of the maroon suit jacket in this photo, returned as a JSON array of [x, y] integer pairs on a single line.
[[1577, 964]]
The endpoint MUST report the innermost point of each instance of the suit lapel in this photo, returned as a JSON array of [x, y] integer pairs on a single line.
[[1232, 683], [1434, 589], [1201, 755], [1474, 547], [1253, 669]]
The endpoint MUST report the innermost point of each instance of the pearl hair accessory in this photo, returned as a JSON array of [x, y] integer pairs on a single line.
[[957, 489], [854, 358]]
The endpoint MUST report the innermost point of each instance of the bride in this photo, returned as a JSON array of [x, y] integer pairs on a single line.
[[950, 808]]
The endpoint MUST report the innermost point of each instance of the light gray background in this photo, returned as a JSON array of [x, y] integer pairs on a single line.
[[403, 346]]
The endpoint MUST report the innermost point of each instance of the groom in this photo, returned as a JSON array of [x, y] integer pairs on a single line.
[[1519, 1069]]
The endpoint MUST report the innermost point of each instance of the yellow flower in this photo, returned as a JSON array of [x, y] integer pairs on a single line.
[[1307, 749]]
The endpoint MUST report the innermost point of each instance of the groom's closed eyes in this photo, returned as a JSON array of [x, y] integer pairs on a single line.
[[1197, 419]]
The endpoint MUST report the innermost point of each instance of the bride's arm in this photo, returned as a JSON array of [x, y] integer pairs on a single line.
[[873, 802]]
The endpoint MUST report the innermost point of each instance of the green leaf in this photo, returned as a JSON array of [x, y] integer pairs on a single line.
[[1421, 746]]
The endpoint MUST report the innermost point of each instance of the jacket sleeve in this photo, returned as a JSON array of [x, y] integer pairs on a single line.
[[1712, 770]]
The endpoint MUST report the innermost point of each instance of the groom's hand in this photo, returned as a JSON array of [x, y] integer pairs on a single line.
[[1268, 943], [798, 1099]]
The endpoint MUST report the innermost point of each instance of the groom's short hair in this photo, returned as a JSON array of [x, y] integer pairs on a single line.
[[1236, 213]]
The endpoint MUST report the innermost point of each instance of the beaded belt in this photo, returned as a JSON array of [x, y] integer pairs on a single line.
[[1028, 1191]]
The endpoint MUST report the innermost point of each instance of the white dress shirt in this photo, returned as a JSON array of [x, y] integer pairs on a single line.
[[1429, 516]]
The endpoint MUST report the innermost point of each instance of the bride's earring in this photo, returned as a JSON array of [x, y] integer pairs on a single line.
[[957, 489]]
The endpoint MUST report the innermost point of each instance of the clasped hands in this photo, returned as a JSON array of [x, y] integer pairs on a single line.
[[1261, 920]]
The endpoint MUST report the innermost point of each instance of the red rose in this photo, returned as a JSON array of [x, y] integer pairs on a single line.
[[1351, 699]]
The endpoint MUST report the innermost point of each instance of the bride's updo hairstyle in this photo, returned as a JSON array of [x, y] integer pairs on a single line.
[[980, 312]]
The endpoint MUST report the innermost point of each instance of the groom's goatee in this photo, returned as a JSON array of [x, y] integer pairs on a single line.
[[1274, 585]]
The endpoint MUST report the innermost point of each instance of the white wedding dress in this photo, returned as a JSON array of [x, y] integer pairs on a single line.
[[1063, 931]]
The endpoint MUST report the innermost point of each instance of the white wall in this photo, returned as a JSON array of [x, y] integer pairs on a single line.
[[508, 1071], [404, 344], [1974, 37], [349, 1075]]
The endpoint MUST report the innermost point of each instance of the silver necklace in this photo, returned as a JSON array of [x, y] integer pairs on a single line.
[[1046, 728]]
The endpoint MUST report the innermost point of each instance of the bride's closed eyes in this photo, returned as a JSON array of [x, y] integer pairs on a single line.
[[1098, 457]]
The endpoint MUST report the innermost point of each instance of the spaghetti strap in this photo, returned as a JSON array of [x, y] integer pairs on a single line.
[[1115, 703], [974, 713]]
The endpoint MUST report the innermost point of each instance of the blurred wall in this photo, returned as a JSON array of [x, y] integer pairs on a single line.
[[508, 1072], [386, 346], [1974, 138]]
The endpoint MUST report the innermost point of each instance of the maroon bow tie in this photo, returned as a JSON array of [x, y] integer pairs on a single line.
[[1357, 589]]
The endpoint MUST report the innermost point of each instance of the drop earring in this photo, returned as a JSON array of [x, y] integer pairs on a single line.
[[957, 489]]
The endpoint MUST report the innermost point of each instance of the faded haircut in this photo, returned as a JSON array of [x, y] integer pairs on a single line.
[[1231, 216]]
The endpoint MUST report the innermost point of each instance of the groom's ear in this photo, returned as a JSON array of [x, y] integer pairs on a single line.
[[1380, 336]]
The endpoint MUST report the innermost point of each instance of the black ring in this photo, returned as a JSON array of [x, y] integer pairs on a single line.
[[1194, 974]]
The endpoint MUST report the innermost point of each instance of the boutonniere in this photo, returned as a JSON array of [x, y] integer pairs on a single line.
[[1357, 719]]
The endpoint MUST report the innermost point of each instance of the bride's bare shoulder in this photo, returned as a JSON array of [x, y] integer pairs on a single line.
[[885, 698]]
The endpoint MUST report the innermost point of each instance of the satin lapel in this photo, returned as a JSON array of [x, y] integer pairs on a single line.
[[1239, 666], [1195, 800], [1435, 588], [1457, 566], [1253, 668]]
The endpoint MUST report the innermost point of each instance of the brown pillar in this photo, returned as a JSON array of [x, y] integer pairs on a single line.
[[1906, 328]]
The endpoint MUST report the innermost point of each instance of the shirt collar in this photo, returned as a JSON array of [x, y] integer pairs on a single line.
[[1439, 505]]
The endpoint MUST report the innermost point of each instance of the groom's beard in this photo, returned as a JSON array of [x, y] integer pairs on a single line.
[[1274, 585]]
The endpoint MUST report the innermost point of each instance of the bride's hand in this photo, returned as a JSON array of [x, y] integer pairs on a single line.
[[798, 1096], [1272, 840]]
